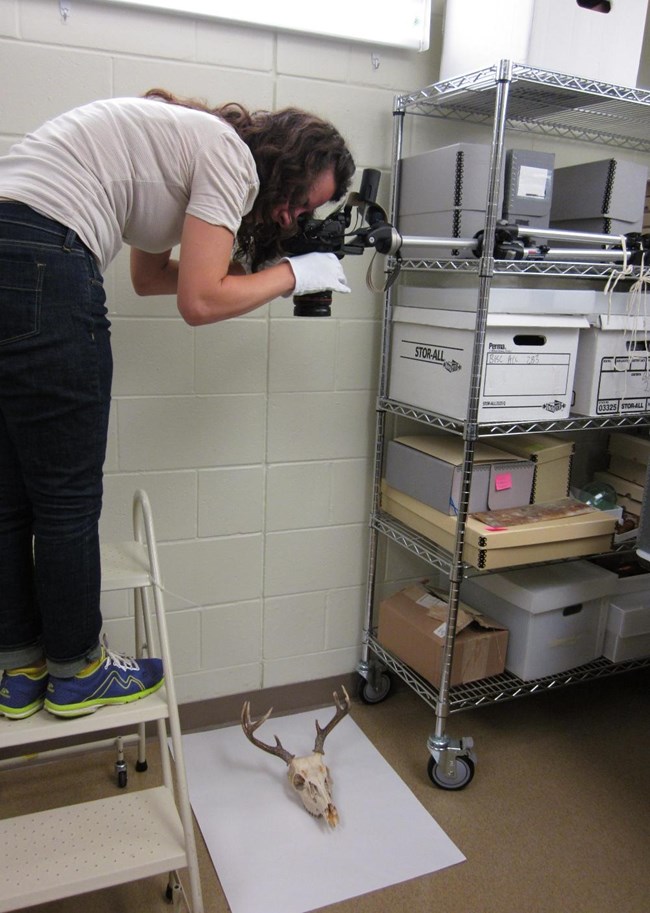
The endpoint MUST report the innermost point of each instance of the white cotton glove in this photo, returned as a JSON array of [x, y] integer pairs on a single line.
[[317, 272]]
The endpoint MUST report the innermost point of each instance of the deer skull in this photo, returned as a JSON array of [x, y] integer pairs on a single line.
[[309, 776]]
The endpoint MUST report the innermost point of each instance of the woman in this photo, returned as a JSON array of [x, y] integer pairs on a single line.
[[150, 172]]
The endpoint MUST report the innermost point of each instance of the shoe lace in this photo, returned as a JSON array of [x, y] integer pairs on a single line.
[[119, 659]]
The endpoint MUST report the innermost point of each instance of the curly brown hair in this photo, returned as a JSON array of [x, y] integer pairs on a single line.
[[291, 148]]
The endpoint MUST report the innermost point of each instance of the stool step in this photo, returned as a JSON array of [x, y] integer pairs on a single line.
[[125, 566], [89, 846], [43, 726]]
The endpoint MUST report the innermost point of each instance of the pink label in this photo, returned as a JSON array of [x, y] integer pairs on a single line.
[[503, 481]]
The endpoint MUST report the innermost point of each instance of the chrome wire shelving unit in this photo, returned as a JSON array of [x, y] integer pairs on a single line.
[[541, 101], [505, 97], [573, 423], [504, 687]]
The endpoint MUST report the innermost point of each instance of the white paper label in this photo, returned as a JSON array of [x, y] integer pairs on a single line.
[[532, 182]]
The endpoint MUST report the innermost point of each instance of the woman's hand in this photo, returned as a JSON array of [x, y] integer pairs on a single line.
[[209, 287]]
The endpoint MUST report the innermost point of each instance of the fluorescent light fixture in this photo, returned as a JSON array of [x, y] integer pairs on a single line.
[[401, 23]]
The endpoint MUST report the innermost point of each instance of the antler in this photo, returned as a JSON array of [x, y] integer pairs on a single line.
[[249, 726], [342, 709]]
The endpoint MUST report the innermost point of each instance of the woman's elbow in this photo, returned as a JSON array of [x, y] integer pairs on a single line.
[[194, 313], [140, 286]]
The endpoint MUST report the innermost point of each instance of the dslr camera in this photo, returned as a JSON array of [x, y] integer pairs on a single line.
[[333, 235]]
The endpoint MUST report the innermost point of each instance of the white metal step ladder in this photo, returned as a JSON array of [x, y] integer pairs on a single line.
[[58, 853]]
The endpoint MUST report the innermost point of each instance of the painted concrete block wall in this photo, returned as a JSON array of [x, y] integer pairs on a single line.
[[254, 437]]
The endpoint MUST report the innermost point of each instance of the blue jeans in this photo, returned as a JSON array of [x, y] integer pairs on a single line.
[[55, 382]]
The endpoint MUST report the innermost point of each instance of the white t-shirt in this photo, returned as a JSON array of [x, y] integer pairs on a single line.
[[128, 170]]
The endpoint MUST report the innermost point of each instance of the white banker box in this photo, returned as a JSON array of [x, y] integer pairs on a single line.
[[555, 615], [527, 372], [613, 368]]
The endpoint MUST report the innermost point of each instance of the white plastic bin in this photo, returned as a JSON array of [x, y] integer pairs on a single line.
[[561, 35]]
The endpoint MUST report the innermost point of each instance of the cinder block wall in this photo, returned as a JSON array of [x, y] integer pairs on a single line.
[[254, 437]]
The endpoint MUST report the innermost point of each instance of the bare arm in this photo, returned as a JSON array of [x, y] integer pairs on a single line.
[[207, 288]]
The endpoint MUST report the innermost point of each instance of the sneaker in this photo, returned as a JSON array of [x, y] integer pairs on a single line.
[[22, 692], [113, 679]]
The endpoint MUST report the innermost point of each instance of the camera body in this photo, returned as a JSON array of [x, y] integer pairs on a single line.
[[330, 235]]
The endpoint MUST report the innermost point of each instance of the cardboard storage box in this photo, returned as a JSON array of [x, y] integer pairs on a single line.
[[527, 371], [528, 188], [612, 375], [487, 547], [551, 34], [429, 467], [633, 447], [627, 634], [551, 458], [628, 469], [443, 194], [555, 615], [412, 625], [605, 197]]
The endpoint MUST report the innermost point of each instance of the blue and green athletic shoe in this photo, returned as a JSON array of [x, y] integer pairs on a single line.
[[22, 692], [113, 679]]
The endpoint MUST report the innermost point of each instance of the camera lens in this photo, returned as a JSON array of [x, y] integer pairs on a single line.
[[316, 304]]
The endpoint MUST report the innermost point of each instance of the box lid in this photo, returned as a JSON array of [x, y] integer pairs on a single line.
[[451, 449], [589, 523], [545, 589], [466, 320], [623, 323], [541, 448], [629, 615]]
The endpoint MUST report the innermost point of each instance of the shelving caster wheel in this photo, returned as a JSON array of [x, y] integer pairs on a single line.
[[451, 765], [374, 684], [121, 773]]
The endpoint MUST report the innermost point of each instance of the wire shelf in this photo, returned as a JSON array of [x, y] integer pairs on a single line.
[[485, 429], [541, 101], [499, 688], [410, 540], [565, 269]]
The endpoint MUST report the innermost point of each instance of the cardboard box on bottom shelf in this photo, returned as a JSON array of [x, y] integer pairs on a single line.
[[412, 625], [555, 615], [486, 548]]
